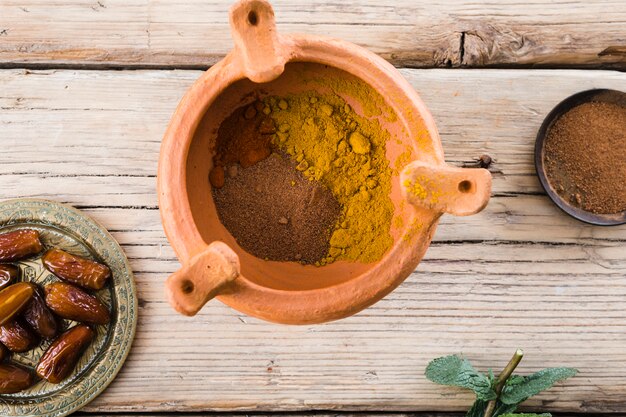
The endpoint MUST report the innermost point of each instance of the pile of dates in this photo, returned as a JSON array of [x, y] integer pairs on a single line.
[[29, 313]]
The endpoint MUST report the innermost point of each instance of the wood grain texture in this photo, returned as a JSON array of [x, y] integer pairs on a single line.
[[195, 33], [519, 274], [314, 414]]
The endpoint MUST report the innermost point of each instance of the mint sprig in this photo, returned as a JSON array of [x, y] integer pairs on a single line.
[[459, 372], [522, 388], [495, 397]]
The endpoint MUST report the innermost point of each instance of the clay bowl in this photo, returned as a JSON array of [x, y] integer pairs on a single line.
[[595, 95], [266, 63]]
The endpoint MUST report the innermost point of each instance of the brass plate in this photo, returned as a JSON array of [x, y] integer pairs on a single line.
[[67, 228]]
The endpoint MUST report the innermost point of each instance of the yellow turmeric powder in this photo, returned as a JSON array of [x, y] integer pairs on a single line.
[[345, 152]]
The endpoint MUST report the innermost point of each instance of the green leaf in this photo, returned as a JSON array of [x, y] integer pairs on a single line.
[[526, 415], [502, 409], [458, 372], [515, 380], [519, 389], [477, 409]]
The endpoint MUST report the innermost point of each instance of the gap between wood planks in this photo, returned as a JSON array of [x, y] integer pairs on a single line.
[[97, 66], [320, 414]]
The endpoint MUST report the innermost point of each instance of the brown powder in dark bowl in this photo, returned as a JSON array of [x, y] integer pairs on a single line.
[[585, 157], [275, 213]]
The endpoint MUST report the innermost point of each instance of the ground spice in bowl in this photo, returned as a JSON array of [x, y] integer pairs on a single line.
[[304, 178], [585, 157], [270, 208], [275, 213], [345, 152]]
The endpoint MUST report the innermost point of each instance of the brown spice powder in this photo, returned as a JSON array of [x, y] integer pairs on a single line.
[[275, 213], [585, 157], [243, 137]]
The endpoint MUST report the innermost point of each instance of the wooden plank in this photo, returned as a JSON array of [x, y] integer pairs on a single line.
[[310, 414], [304, 414], [195, 33], [491, 118], [518, 274]]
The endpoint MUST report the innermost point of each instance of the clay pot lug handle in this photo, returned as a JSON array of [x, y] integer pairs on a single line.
[[262, 51], [207, 274], [457, 191]]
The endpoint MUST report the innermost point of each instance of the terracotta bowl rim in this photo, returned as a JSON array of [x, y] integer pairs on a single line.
[[294, 306]]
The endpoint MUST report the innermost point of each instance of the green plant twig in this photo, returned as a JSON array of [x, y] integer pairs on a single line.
[[502, 378]]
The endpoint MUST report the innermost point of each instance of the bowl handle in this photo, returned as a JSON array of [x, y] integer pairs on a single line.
[[446, 189], [206, 275], [257, 44]]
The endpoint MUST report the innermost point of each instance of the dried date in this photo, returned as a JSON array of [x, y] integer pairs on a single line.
[[72, 303], [4, 353], [14, 299], [8, 275], [14, 379], [39, 317], [76, 269], [19, 244], [17, 337], [61, 357]]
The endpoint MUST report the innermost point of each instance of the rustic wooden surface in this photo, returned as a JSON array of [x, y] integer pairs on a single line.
[[195, 34], [316, 414], [520, 274]]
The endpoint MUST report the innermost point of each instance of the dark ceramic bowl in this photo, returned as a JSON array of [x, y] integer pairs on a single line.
[[596, 95]]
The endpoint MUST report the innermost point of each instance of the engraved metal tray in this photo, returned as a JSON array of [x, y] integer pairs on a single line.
[[66, 228]]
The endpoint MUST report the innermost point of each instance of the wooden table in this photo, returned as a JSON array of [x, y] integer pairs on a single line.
[[87, 88]]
